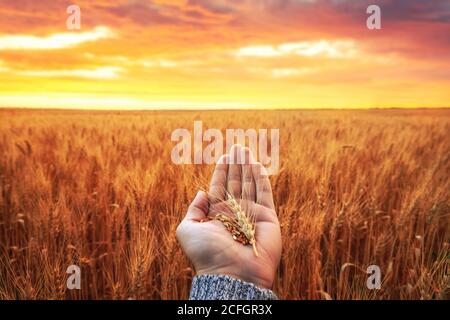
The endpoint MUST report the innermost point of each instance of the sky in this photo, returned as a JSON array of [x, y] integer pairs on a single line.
[[206, 54]]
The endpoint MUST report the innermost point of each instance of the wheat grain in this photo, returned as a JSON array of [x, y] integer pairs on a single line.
[[241, 225]]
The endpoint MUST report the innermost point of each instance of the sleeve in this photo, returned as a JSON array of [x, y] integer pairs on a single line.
[[224, 287]]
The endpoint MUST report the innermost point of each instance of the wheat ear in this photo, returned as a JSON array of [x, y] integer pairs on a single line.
[[240, 225]]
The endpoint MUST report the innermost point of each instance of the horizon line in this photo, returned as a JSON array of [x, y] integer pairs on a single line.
[[218, 109]]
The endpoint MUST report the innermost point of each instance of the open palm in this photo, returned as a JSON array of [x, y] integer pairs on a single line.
[[206, 242]]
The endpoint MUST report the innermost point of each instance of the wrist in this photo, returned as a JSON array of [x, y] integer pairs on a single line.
[[225, 287], [259, 280]]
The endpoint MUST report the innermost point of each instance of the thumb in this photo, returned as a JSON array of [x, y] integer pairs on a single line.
[[198, 208]]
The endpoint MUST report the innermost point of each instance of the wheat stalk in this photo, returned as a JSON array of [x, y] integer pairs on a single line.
[[241, 225]]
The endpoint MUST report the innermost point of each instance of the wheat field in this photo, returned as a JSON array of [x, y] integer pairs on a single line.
[[99, 190]]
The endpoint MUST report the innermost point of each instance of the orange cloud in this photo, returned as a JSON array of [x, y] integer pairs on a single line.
[[330, 49], [54, 41]]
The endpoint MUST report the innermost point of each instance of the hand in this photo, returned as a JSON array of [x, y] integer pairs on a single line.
[[207, 243]]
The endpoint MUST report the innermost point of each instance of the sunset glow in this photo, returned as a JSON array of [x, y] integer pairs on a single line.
[[175, 54]]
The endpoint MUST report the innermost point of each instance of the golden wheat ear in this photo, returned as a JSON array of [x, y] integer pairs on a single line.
[[240, 224]]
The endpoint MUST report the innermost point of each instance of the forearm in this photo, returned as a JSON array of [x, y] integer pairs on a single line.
[[223, 287]]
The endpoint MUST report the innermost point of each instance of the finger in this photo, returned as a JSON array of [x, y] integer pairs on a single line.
[[264, 195], [234, 173], [248, 182], [198, 209], [218, 184]]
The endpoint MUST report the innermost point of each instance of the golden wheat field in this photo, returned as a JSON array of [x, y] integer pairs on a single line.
[[99, 190]]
